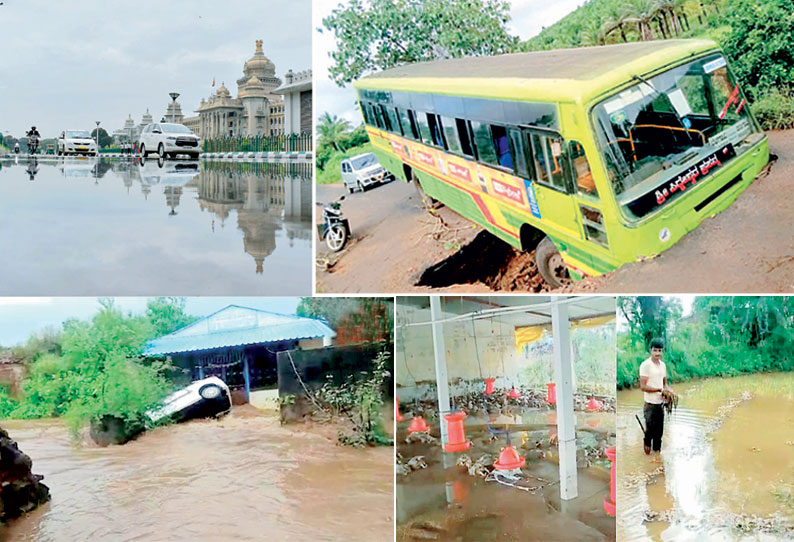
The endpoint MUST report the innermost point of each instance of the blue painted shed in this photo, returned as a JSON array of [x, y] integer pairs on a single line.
[[239, 345]]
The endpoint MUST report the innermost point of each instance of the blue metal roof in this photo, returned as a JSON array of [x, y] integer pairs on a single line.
[[237, 326]]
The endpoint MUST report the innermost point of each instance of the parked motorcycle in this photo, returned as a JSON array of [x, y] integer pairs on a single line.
[[335, 228]]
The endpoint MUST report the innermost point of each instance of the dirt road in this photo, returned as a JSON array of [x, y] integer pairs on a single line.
[[398, 245]]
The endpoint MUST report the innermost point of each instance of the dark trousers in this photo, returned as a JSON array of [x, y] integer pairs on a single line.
[[654, 426]]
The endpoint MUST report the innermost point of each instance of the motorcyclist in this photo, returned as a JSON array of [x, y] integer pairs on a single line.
[[16, 147], [31, 134]]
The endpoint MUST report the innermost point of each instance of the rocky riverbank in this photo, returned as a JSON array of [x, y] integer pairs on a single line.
[[20, 490]]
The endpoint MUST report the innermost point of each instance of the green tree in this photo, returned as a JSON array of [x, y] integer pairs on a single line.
[[105, 140], [373, 35], [331, 130], [167, 314], [761, 44]]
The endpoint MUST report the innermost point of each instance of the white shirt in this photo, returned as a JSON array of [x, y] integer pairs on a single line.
[[656, 374]]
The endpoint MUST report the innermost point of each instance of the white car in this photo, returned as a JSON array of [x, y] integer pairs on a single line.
[[362, 171], [207, 398], [169, 140], [75, 142]]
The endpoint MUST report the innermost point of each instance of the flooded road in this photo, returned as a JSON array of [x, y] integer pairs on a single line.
[[444, 502], [727, 461], [243, 478], [78, 226]]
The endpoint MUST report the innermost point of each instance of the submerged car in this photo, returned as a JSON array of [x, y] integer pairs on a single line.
[[362, 171], [206, 398], [75, 142], [169, 140]]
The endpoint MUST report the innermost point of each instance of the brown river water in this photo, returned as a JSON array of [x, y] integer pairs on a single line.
[[720, 466], [242, 478]]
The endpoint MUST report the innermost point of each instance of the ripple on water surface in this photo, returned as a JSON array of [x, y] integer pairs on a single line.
[[717, 461]]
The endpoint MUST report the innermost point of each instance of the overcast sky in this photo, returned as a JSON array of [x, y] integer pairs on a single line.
[[21, 316], [529, 17], [66, 64]]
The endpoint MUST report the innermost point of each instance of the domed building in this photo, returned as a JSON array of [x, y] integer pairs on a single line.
[[256, 111]]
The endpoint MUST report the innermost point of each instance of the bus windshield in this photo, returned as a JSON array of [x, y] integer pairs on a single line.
[[662, 128]]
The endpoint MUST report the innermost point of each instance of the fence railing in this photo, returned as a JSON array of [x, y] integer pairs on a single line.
[[280, 143]]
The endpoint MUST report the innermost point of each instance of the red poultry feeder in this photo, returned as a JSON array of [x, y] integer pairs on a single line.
[[489, 389], [551, 393], [418, 425], [456, 433], [509, 459], [514, 394], [397, 416], [610, 502], [594, 404]]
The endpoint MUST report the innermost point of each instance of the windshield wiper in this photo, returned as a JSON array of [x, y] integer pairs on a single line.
[[659, 93]]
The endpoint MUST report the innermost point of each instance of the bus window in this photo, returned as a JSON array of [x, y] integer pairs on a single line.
[[365, 113], [519, 153], [451, 134], [392, 123], [483, 143], [424, 128], [414, 125], [434, 124], [502, 146], [407, 126], [464, 133], [581, 170], [547, 155], [384, 114]]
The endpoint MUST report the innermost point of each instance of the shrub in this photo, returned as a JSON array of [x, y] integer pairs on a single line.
[[775, 110]]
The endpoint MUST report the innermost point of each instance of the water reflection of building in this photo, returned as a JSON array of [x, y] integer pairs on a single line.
[[266, 199]]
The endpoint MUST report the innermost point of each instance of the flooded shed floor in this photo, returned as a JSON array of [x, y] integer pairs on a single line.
[[444, 502], [240, 478]]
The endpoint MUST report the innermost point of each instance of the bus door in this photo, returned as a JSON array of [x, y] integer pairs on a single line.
[[546, 176]]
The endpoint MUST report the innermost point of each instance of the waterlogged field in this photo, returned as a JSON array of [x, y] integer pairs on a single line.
[[726, 471]]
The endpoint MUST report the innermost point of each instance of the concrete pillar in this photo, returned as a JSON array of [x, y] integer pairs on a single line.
[[328, 341], [247, 378], [563, 376], [440, 352]]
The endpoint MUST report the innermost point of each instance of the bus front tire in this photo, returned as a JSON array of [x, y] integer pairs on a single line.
[[551, 265]]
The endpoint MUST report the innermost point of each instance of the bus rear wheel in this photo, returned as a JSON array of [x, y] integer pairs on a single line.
[[426, 200], [551, 265]]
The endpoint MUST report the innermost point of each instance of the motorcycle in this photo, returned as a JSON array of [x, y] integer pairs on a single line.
[[16, 148], [33, 144], [335, 228]]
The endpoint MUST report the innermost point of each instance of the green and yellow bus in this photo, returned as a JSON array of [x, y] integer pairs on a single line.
[[594, 156]]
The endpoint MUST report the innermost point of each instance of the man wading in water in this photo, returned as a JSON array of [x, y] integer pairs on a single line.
[[653, 381]]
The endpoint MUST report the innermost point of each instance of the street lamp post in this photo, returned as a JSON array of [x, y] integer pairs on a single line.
[[97, 137], [174, 96]]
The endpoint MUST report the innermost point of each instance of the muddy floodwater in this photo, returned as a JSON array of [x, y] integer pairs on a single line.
[[82, 226], [243, 478], [726, 471], [444, 502]]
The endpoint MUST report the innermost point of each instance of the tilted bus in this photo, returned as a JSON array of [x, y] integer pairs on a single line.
[[595, 156]]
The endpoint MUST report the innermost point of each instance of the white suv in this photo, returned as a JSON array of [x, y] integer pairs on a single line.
[[362, 171], [75, 142], [169, 140]]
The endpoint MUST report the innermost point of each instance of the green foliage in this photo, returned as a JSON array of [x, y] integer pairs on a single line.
[[330, 129], [167, 314], [104, 138], [94, 368], [724, 336], [373, 35], [360, 400], [775, 109], [761, 44], [373, 315], [7, 404]]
